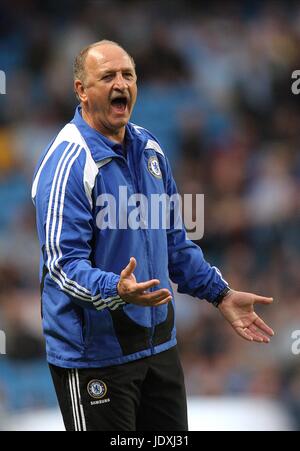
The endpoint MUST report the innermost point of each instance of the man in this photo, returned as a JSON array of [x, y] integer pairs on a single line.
[[107, 303]]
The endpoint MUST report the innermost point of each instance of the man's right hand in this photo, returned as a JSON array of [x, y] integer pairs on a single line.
[[136, 293]]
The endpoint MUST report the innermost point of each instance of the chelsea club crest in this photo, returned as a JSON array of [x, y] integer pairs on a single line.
[[97, 389], [153, 166]]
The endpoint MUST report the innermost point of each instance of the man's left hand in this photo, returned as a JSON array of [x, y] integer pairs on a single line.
[[238, 308]]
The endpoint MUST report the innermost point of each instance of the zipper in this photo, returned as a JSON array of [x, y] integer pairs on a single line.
[[135, 182], [137, 186]]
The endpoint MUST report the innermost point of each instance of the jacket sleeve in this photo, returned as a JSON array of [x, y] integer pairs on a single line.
[[187, 266], [66, 208]]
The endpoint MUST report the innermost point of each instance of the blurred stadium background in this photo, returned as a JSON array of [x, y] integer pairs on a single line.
[[215, 87]]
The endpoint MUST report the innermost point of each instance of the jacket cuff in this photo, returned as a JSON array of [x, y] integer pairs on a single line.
[[112, 289], [216, 291], [111, 298], [217, 301]]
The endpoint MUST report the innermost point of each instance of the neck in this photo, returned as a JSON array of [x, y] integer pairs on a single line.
[[114, 135]]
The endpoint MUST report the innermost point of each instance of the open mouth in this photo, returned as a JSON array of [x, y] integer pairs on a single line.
[[119, 104]]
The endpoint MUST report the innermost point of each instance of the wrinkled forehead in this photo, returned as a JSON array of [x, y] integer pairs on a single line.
[[107, 58]]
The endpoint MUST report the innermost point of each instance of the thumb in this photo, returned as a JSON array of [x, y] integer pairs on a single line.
[[129, 269], [262, 300]]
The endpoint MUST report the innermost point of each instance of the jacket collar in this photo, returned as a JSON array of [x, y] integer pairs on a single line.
[[100, 146]]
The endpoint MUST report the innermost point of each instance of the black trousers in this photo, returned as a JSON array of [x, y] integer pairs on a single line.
[[144, 395]]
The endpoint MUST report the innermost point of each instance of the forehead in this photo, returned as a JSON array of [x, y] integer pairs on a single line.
[[107, 57]]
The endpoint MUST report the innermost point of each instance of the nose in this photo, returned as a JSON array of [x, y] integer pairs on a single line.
[[120, 82]]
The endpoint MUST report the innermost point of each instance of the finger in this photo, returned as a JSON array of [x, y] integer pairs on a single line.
[[164, 301], [129, 269], [151, 299], [143, 286], [156, 296], [148, 298], [243, 333], [257, 336], [262, 300], [147, 303], [264, 327]]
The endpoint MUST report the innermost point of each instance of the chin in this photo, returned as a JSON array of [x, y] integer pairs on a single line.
[[120, 123]]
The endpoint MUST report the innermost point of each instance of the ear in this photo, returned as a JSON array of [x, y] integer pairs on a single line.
[[80, 90]]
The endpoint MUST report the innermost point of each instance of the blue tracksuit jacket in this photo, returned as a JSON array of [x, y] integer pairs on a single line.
[[85, 322]]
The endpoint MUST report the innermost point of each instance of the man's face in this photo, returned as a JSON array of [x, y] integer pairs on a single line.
[[109, 90]]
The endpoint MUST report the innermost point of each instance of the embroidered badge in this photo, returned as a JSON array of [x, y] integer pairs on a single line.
[[153, 166], [97, 389]]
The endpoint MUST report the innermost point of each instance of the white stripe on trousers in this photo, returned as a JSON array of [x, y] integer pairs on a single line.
[[77, 407], [75, 418], [80, 401]]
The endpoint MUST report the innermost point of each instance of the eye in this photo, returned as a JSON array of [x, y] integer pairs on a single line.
[[107, 77], [128, 75]]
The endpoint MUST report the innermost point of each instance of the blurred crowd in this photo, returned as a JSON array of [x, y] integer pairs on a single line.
[[215, 88]]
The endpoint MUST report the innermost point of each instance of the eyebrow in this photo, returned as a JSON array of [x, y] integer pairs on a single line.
[[112, 71]]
